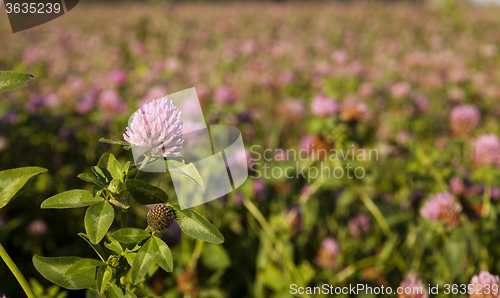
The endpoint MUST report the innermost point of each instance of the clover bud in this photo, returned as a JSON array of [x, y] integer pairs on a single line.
[[161, 217]]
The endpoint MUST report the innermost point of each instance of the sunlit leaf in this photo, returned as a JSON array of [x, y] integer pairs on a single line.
[[142, 262], [162, 254], [15, 181], [145, 193], [10, 80], [53, 269], [71, 199], [82, 265], [178, 166], [196, 226], [98, 219], [130, 235]]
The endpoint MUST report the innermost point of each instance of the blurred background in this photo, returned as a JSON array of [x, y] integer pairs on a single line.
[[383, 75]]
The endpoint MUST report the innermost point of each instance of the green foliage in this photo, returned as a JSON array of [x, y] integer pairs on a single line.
[[178, 166], [83, 265], [145, 193], [15, 181], [54, 269], [197, 226], [10, 80], [162, 254], [142, 261], [98, 219], [133, 251], [130, 235], [71, 199], [215, 257]]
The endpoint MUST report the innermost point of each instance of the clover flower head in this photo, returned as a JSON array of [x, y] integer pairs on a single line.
[[324, 106], [161, 217], [487, 151], [412, 287], [464, 119], [293, 218], [457, 186], [483, 281], [328, 253], [157, 127], [442, 207], [358, 225]]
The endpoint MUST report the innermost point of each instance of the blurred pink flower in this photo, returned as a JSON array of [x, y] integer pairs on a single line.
[[259, 189], [117, 77], [441, 207], [400, 90], [37, 227], [339, 57], [464, 119], [487, 151], [85, 105], [110, 102], [35, 103], [4, 143], [456, 94], [293, 219], [422, 103], [153, 93], [291, 108], [412, 287], [31, 55], [225, 95], [238, 198], [328, 252], [457, 186], [324, 106], [495, 192], [248, 47], [138, 49], [365, 90], [353, 110], [286, 78], [358, 225], [172, 64], [480, 283]]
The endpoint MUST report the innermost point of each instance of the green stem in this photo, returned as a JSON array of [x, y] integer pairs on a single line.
[[13, 268], [123, 213], [123, 218], [259, 217], [486, 200], [351, 269], [196, 253], [375, 212]]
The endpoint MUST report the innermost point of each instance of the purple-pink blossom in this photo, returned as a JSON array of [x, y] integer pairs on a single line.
[[324, 106], [487, 151], [327, 254], [441, 207], [157, 127], [358, 225], [110, 102], [225, 95], [412, 287], [464, 119], [485, 280]]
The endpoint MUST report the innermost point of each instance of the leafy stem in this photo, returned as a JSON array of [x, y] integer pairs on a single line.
[[13, 268], [123, 213]]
